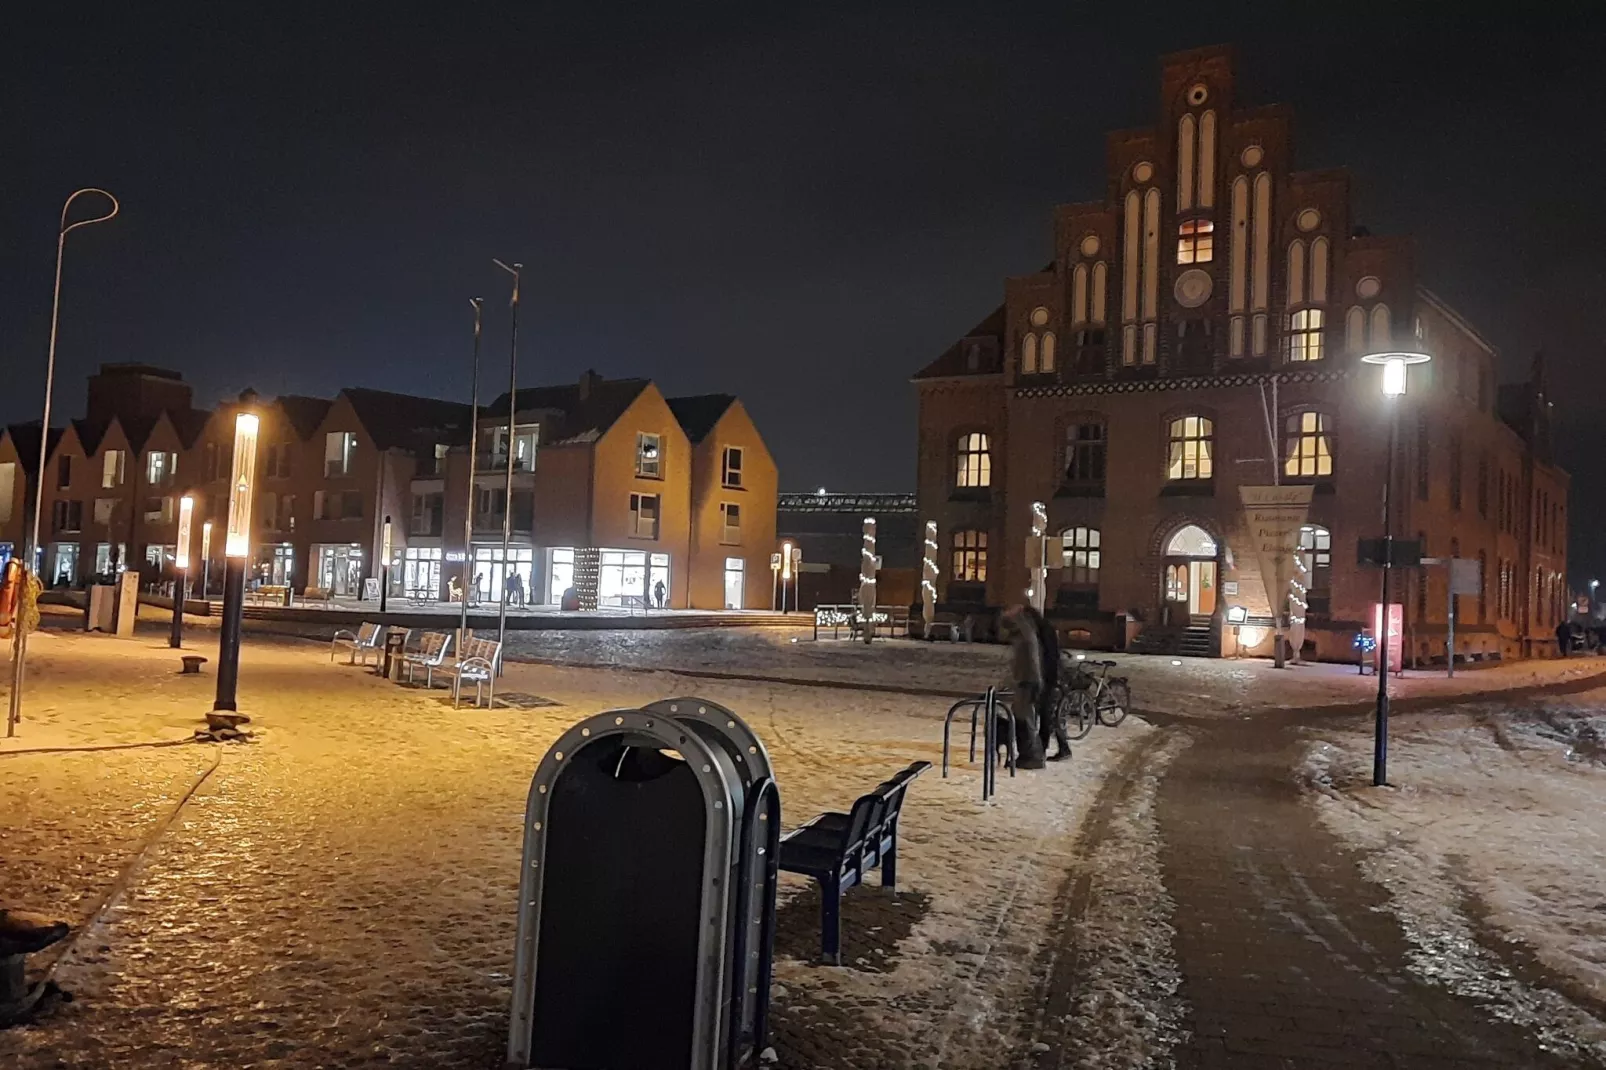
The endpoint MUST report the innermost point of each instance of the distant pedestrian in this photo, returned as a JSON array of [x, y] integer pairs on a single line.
[[513, 587], [1049, 725], [1026, 676], [658, 593], [1564, 638], [479, 586]]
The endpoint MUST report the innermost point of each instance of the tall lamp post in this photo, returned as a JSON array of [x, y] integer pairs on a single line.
[[473, 457], [236, 547], [181, 570], [30, 551], [1395, 368], [512, 427]]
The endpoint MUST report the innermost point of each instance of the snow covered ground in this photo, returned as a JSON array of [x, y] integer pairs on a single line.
[[1492, 845], [341, 890]]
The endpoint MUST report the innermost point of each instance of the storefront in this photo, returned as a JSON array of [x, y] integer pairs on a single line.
[[421, 572], [63, 564], [276, 564], [625, 578], [489, 574], [338, 568]]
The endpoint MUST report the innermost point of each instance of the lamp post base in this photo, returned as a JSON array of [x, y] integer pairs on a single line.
[[175, 637]]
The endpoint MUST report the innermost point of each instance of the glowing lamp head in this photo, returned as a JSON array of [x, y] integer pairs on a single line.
[[186, 514], [786, 560], [242, 485], [1395, 367]]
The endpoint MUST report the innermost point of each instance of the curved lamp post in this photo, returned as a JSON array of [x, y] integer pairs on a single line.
[[30, 556], [1396, 366]]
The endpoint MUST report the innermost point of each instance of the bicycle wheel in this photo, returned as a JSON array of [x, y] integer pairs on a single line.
[[1117, 702], [1075, 711]]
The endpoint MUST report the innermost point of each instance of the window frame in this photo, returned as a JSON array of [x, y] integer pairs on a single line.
[[638, 499], [1196, 241], [1308, 448], [1086, 453], [973, 461], [1081, 554], [1305, 335], [968, 555], [649, 467], [730, 476], [730, 534], [1178, 439]]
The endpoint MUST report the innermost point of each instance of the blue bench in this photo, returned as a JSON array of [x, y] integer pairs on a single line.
[[838, 850]]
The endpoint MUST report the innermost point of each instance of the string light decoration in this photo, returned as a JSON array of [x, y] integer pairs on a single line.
[[1037, 593], [928, 574], [868, 563]]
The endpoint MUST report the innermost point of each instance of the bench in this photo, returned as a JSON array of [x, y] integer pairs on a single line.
[[477, 663], [367, 639], [838, 850], [430, 655], [316, 594], [268, 595]]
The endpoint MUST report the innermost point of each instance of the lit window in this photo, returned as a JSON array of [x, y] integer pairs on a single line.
[[1196, 241], [975, 461], [1081, 549], [970, 556], [1305, 334], [1084, 453], [644, 516], [338, 448], [159, 468], [1190, 453], [1318, 543], [648, 456], [112, 472], [1028, 355], [1307, 450], [731, 467]]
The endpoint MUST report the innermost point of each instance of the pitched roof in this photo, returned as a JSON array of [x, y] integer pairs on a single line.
[[304, 413], [90, 432], [407, 421], [699, 413], [25, 437], [578, 419], [977, 353], [189, 423]]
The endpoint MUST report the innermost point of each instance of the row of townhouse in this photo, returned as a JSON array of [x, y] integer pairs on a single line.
[[619, 493]]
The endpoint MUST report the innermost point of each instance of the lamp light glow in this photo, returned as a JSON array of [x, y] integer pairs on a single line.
[[206, 540], [186, 514], [1395, 367], [237, 542]]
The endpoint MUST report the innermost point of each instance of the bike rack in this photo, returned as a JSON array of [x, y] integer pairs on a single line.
[[989, 701]]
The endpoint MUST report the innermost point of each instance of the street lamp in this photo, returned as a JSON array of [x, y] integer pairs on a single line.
[[473, 447], [512, 413], [181, 570], [1395, 367], [236, 547], [384, 566], [786, 573], [30, 551], [206, 559]]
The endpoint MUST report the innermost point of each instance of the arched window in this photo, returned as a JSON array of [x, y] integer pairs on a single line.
[[1028, 355], [1190, 540], [1046, 358], [1190, 451], [1307, 450], [970, 556], [1382, 329], [975, 461], [1196, 241], [1081, 550], [1305, 335]]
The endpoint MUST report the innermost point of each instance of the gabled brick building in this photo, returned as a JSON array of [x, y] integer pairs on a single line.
[[1200, 328]]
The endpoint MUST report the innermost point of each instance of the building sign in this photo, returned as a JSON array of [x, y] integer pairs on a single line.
[[1272, 518], [1465, 576]]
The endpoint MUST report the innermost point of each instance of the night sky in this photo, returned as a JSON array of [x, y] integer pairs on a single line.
[[800, 206]]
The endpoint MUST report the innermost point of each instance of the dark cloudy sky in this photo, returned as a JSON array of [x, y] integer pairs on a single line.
[[798, 203]]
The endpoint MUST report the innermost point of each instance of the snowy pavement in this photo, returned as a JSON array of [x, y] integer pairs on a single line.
[[1206, 892]]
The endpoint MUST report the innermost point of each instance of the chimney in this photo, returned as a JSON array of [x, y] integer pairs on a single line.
[[589, 381]]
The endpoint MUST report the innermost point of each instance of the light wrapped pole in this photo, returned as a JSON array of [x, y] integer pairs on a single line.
[[928, 578], [1038, 555], [181, 570], [868, 564], [236, 547]]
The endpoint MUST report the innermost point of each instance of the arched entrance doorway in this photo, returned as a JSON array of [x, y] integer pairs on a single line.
[[1190, 575]]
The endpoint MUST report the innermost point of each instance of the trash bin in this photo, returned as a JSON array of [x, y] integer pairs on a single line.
[[647, 894]]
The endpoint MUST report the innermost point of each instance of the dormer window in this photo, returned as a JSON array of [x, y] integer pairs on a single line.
[[1196, 241]]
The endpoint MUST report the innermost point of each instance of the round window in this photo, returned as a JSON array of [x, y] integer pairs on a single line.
[[1039, 317], [1308, 220], [1090, 245], [1368, 287], [1142, 172], [1198, 94], [1252, 155]]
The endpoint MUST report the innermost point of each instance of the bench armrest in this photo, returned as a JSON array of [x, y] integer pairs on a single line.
[[344, 634]]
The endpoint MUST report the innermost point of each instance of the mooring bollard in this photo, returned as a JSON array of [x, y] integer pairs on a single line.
[[647, 894]]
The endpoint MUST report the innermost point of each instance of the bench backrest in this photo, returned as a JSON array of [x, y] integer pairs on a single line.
[[433, 645], [368, 634], [481, 648]]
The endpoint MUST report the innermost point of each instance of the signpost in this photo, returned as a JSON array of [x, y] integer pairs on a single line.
[[797, 568], [1465, 577], [775, 579], [1273, 516]]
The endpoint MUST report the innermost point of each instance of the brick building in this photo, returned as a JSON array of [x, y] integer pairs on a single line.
[[615, 489], [1199, 329]]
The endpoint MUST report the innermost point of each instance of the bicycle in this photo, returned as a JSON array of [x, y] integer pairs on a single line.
[[1099, 697]]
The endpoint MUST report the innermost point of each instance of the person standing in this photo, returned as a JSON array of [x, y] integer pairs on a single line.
[[658, 593], [1026, 674], [1049, 723]]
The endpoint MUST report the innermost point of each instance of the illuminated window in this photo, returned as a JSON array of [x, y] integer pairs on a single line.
[[649, 456], [1084, 453], [1196, 241], [1305, 334], [1189, 456], [970, 556], [1307, 450], [975, 461], [1318, 543], [1081, 550]]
